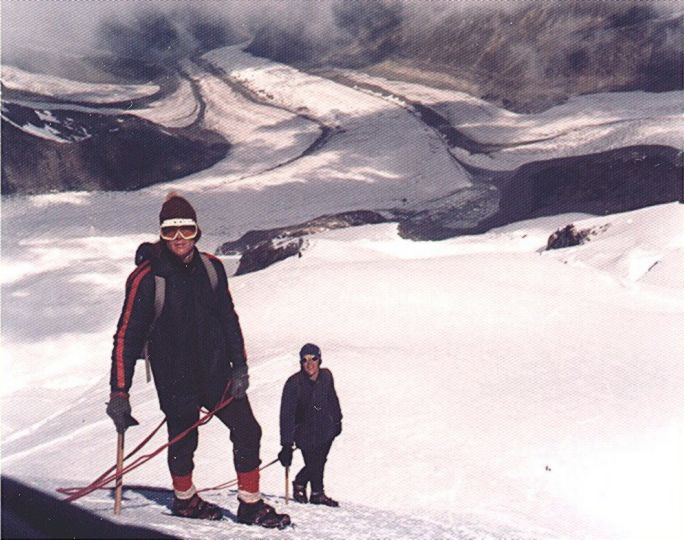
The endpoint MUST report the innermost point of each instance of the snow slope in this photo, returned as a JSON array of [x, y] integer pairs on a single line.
[[490, 389], [485, 385]]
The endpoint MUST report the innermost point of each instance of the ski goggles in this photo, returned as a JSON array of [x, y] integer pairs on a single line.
[[171, 229], [310, 358]]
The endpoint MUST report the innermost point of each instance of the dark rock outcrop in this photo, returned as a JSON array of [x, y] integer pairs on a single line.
[[259, 249], [265, 254], [97, 152], [603, 183], [568, 236]]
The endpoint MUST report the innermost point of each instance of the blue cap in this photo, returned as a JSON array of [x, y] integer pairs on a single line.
[[309, 349]]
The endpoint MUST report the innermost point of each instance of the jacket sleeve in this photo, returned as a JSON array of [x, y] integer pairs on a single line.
[[288, 409], [334, 402], [235, 343], [133, 327]]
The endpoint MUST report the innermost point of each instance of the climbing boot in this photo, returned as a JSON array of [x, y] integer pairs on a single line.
[[195, 507], [262, 514], [322, 498], [299, 493]]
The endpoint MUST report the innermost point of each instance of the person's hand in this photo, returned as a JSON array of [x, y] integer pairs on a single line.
[[285, 456], [119, 410], [239, 383]]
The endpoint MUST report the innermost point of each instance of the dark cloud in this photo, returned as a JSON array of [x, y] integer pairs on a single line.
[[76, 26], [51, 35]]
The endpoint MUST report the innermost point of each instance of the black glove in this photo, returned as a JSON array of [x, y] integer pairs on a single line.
[[239, 383], [285, 456], [119, 410]]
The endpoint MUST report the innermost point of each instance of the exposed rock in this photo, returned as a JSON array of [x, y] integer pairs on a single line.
[[603, 183], [266, 253], [259, 249], [62, 150], [459, 213], [568, 236]]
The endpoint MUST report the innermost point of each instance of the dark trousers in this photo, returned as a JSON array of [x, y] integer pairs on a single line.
[[314, 467], [245, 434]]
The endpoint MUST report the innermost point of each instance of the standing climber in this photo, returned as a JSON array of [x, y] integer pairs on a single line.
[[310, 416], [196, 351]]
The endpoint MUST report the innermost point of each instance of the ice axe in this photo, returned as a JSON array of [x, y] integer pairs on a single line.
[[121, 427], [287, 485], [119, 468]]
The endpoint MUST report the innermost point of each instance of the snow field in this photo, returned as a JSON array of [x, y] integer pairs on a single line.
[[465, 369], [502, 369], [479, 427]]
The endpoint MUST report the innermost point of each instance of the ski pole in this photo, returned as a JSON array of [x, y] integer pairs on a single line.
[[287, 485], [119, 477]]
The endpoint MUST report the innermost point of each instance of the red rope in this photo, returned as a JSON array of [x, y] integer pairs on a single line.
[[106, 477], [75, 490], [225, 485]]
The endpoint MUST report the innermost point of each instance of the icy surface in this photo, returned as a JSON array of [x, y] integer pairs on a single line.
[[375, 143], [582, 125], [38, 83], [178, 109]]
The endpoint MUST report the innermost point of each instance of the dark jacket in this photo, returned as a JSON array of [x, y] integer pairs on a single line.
[[196, 341], [310, 413]]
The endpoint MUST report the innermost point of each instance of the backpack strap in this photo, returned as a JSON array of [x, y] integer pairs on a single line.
[[211, 271], [159, 296]]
